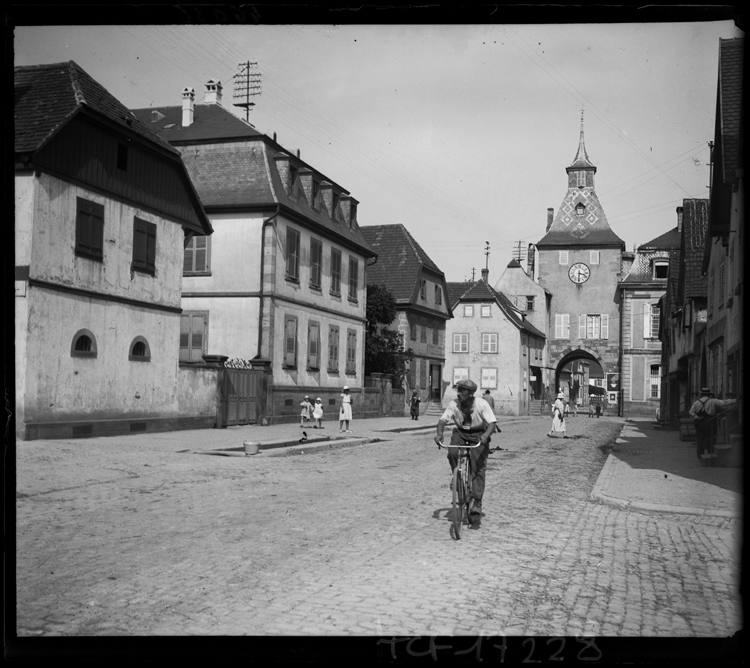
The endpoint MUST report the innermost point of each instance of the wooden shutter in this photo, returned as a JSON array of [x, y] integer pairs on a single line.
[[144, 245], [582, 326], [558, 325], [290, 341], [605, 326], [192, 337], [646, 321], [89, 228], [566, 325], [313, 344]]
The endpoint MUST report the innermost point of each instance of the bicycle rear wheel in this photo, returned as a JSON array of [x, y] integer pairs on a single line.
[[458, 502]]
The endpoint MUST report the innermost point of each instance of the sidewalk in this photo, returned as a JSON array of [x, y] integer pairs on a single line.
[[650, 469]]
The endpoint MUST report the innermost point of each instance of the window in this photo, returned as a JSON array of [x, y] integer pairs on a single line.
[[486, 311], [468, 311], [651, 315], [489, 379], [580, 208], [580, 181], [193, 336], [144, 246], [423, 290], [333, 349], [89, 229], [292, 182], [661, 270], [196, 258], [655, 381], [122, 157], [353, 278], [489, 343], [139, 350], [313, 345], [290, 342], [530, 303], [593, 326], [316, 194], [292, 254], [460, 373], [351, 351], [438, 295], [563, 257], [435, 336], [593, 257], [83, 344], [562, 325], [335, 271], [316, 262], [413, 331], [460, 343], [423, 337]]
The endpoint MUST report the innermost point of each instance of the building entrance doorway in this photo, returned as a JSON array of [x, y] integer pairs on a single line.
[[435, 378]]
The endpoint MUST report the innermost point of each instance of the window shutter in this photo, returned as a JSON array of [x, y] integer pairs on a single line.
[[188, 258], [201, 253], [605, 326], [97, 229], [140, 245], [150, 246], [185, 338], [646, 321], [566, 325], [313, 345], [582, 326], [558, 326], [290, 342]]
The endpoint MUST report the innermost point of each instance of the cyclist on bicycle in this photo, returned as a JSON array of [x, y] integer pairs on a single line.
[[475, 422]]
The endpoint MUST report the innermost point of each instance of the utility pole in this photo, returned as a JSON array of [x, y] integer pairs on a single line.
[[519, 251], [246, 85], [487, 255]]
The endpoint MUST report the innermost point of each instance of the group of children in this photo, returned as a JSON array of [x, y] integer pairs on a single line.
[[315, 412]]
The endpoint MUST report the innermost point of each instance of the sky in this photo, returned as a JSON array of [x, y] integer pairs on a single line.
[[461, 133]]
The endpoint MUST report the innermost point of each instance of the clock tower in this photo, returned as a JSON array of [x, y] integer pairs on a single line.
[[579, 260]]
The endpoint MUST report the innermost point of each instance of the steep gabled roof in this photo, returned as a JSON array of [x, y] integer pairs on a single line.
[[400, 260], [667, 241], [456, 291], [480, 291], [211, 122], [48, 96]]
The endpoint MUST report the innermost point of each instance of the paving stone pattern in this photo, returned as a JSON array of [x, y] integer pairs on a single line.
[[152, 541]]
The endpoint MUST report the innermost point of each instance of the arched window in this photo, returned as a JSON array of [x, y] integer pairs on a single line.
[[139, 350], [83, 344]]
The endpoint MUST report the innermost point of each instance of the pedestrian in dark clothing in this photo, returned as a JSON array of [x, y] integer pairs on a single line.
[[414, 405], [704, 408]]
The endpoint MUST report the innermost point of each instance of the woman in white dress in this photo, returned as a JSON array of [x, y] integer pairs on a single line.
[[558, 418], [345, 410]]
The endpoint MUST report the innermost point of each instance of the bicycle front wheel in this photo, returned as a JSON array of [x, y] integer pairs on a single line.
[[459, 502]]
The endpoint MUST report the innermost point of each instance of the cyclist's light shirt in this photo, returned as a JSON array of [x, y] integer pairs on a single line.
[[481, 415]]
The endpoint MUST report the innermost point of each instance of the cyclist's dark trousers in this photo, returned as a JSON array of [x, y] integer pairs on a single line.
[[478, 457], [704, 436]]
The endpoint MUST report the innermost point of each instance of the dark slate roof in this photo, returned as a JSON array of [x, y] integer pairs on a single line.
[[239, 169], [692, 283], [480, 291], [400, 260], [48, 96], [731, 52], [666, 241], [514, 264], [581, 161], [641, 270], [211, 122]]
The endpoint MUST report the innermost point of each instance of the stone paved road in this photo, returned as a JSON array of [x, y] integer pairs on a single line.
[[356, 542]]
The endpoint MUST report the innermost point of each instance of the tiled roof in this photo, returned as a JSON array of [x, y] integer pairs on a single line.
[[480, 291], [211, 122], [731, 52], [590, 229], [641, 270], [400, 259], [47, 96], [666, 241], [513, 264], [692, 284], [233, 166]]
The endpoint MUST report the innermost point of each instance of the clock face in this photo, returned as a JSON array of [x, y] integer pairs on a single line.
[[579, 273]]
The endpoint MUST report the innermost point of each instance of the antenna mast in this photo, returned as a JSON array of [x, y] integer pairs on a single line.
[[246, 84]]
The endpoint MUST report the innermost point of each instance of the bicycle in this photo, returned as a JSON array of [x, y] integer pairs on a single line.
[[461, 486]]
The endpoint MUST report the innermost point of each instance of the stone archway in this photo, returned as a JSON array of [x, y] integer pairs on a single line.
[[575, 388]]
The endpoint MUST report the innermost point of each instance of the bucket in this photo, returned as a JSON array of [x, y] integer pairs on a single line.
[[251, 448]]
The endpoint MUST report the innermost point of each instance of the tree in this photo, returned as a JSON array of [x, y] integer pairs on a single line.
[[384, 348]]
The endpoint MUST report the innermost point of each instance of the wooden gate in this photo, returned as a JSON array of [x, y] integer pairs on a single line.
[[238, 394]]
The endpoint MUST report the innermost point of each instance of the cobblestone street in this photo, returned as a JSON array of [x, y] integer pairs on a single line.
[[153, 541]]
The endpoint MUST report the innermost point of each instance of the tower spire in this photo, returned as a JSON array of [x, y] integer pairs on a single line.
[[582, 158]]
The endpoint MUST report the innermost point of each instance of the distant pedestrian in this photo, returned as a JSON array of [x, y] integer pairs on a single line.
[[345, 410], [558, 417], [489, 399], [318, 414], [304, 416], [704, 408], [414, 405]]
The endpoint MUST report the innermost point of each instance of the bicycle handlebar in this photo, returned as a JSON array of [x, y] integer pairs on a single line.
[[476, 445]]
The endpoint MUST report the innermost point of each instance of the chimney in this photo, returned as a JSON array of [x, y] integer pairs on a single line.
[[213, 92], [188, 101], [485, 274], [679, 219], [550, 217]]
